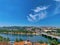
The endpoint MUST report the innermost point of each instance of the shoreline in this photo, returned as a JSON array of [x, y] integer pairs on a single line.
[[21, 33]]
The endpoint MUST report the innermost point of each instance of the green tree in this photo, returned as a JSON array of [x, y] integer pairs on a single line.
[[41, 41], [54, 42], [17, 40], [21, 39]]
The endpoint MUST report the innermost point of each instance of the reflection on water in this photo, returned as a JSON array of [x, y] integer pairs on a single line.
[[33, 38]]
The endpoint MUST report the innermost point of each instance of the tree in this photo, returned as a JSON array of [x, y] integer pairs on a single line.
[[8, 39], [54, 42], [17, 40], [21, 39], [41, 42]]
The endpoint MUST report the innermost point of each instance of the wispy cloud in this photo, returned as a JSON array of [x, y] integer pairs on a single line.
[[42, 15], [38, 9], [57, 0], [31, 17], [37, 17], [57, 9], [39, 14]]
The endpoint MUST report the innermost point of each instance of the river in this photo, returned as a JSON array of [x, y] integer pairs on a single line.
[[32, 38]]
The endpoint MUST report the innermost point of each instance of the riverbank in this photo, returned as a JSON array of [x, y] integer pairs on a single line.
[[34, 33]]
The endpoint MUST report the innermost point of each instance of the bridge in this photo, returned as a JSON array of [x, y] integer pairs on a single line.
[[52, 36]]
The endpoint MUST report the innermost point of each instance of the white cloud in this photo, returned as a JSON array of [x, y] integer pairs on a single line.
[[57, 10], [29, 19], [42, 15], [38, 9], [32, 16], [37, 17], [39, 14], [57, 0]]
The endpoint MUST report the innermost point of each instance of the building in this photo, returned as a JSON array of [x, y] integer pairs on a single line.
[[23, 43]]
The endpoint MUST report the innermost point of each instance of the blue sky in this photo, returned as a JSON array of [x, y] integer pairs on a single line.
[[29, 12]]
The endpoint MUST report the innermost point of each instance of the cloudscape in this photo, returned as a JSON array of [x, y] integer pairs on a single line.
[[30, 12]]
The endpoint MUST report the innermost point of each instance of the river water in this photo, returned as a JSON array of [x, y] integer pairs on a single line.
[[32, 38]]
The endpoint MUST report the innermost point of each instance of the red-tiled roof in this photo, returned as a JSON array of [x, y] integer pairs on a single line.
[[4, 43]]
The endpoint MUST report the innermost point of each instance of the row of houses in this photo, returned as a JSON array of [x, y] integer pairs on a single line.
[[28, 43]]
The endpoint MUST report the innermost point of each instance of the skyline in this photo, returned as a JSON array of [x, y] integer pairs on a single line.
[[30, 13]]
